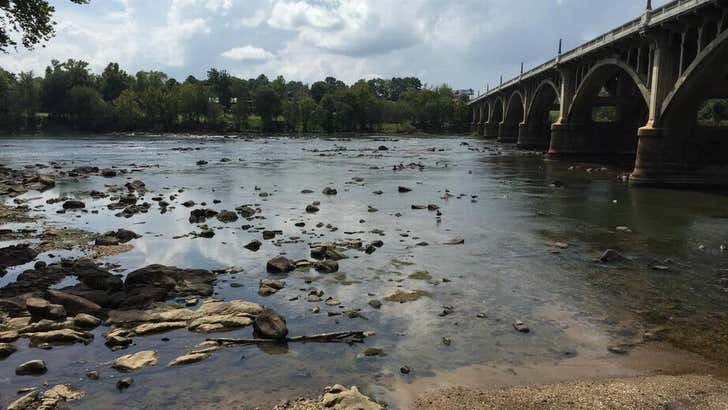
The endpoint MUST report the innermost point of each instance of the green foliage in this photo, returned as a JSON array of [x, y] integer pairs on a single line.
[[713, 113], [70, 95], [31, 20]]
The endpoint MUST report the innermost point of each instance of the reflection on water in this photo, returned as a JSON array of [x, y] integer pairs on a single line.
[[504, 204]]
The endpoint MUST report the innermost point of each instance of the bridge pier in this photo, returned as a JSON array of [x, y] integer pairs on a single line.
[[507, 133], [530, 137], [490, 130]]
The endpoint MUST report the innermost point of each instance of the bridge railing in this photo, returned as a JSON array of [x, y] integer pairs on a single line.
[[656, 16]]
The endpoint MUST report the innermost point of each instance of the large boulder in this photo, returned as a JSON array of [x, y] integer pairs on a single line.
[[135, 361], [177, 281], [227, 216], [200, 215], [91, 275], [270, 325], [74, 304], [31, 368], [60, 337], [16, 255]]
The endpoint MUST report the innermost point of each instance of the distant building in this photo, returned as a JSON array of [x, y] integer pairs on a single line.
[[469, 93]]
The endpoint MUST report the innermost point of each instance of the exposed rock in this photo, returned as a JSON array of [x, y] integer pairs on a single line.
[[190, 358], [8, 336], [376, 304], [160, 327], [455, 241], [329, 191], [135, 361], [60, 337], [86, 321], [108, 173], [402, 296], [188, 204], [115, 342], [340, 398], [327, 266], [16, 255], [312, 209], [521, 327], [200, 215], [74, 304], [73, 204], [25, 402], [610, 255], [270, 286], [270, 325], [403, 189], [42, 309], [280, 264], [253, 245], [124, 383], [31, 368], [136, 186], [159, 282], [227, 216], [6, 349], [246, 211]]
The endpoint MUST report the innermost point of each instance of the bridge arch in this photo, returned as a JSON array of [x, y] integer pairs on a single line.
[[536, 132], [609, 107], [514, 115], [691, 142], [498, 110]]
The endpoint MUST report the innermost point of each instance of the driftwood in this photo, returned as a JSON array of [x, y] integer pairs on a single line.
[[337, 337]]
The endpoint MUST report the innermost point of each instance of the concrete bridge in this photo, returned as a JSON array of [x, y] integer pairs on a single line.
[[634, 91]]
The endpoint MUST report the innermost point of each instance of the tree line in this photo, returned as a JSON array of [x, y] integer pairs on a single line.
[[71, 96]]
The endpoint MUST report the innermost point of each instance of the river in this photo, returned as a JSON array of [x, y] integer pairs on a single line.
[[510, 207]]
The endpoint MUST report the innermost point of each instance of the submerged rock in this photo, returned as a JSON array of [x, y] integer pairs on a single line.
[[190, 358], [280, 264]]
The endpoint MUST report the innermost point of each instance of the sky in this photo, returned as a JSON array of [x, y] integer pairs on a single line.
[[463, 43]]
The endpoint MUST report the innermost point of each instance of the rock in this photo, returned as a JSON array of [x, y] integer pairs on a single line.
[[31, 368], [92, 375], [135, 361], [253, 245], [6, 349], [8, 336], [136, 186], [270, 325], [326, 266], [227, 216], [124, 383], [108, 173], [60, 336], [218, 316], [190, 358], [106, 241], [42, 309], [280, 264], [521, 327], [382, 148], [73, 204], [246, 211], [610, 255], [269, 234], [455, 241], [200, 215], [16, 255], [188, 204], [117, 342], [123, 235], [405, 370], [312, 209], [403, 297], [373, 351], [172, 281], [329, 191], [74, 304], [155, 328], [25, 402], [403, 189], [270, 286], [376, 304], [339, 397]]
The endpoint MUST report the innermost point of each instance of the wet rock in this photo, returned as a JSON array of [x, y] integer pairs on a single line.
[[405, 370], [42, 309], [269, 235], [155, 328], [376, 304], [108, 173], [280, 264], [201, 215], [269, 287], [403, 297], [123, 235], [227, 216], [116, 342], [124, 383], [329, 191], [6, 349], [106, 241], [136, 186], [31, 368], [16, 255], [8, 336], [373, 351], [312, 209], [135, 361], [610, 256], [188, 204], [25, 402], [521, 327], [171, 281], [455, 241], [223, 316], [403, 189], [270, 325], [339, 397], [326, 266], [253, 245], [60, 337], [73, 204], [246, 211], [382, 148], [92, 375], [189, 358]]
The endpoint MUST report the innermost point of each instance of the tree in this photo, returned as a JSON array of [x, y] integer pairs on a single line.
[[27, 98], [86, 108], [220, 83], [59, 79], [113, 81], [127, 111], [268, 106], [32, 20]]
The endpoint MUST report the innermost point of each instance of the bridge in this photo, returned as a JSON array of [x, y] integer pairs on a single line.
[[635, 91]]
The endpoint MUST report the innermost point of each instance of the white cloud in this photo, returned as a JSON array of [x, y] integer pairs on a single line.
[[247, 53]]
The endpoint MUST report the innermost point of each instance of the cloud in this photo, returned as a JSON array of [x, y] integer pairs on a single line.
[[247, 53]]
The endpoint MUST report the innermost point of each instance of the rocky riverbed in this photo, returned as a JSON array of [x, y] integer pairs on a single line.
[[239, 273]]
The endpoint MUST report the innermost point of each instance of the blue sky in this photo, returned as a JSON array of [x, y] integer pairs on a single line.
[[465, 43]]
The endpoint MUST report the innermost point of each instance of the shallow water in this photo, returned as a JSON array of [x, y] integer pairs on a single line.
[[503, 206]]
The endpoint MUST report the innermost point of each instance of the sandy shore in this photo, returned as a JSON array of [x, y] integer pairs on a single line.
[[648, 392]]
